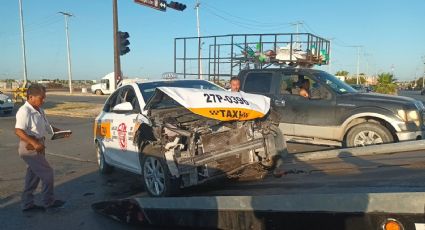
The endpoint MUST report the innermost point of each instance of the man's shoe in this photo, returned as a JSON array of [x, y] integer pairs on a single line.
[[57, 204], [34, 207]]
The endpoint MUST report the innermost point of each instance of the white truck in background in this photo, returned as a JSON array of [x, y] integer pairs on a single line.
[[106, 85]]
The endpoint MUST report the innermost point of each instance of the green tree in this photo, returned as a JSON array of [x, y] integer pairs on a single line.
[[353, 80], [418, 83], [342, 73], [386, 84]]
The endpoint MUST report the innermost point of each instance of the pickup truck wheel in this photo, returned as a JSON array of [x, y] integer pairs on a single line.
[[98, 92], [368, 134], [156, 177], [104, 168]]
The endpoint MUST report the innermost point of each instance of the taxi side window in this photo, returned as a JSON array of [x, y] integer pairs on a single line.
[[109, 105], [132, 98], [128, 94]]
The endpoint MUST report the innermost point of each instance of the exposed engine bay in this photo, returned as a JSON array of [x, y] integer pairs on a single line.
[[197, 149]]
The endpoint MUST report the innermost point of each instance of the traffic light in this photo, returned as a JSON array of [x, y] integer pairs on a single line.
[[177, 6], [123, 42]]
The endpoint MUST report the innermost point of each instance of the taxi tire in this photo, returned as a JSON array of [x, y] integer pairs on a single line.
[[171, 185], [98, 92], [104, 168]]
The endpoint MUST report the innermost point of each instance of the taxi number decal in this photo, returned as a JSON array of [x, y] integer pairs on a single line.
[[215, 98]]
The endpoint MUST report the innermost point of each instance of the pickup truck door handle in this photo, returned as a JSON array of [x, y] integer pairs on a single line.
[[280, 103]]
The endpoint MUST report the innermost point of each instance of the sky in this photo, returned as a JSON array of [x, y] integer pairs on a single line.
[[391, 33]]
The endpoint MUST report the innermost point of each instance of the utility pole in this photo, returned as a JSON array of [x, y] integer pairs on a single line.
[[117, 61], [392, 70], [199, 40], [24, 57], [66, 15], [296, 24], [423, 75], [358, 62]]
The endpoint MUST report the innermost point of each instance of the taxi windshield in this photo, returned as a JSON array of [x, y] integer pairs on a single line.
[[335, 84], [148, 88]]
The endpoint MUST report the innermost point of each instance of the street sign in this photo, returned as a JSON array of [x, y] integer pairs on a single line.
[[156, 4]]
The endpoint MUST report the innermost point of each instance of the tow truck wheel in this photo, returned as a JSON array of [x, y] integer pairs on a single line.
[[98, 92], [368, 133], [104, 168], [156, 177]]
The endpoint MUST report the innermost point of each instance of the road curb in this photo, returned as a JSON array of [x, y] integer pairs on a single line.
[[362, 151]]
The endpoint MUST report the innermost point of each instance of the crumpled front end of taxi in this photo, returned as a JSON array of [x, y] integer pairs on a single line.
[[198, 148]]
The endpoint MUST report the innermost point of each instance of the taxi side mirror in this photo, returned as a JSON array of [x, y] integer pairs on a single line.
[[123, 107]]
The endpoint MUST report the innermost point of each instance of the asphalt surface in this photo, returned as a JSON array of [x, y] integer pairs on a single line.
[[413, 94], [79, 183], [59, 97]]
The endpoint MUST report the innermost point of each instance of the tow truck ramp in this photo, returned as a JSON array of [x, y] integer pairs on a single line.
[[385, 208], [298, 211]]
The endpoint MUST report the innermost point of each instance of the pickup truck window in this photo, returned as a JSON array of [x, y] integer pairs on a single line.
[[258, 83], [337, 85]]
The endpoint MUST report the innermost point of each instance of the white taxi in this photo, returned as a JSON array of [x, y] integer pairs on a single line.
[[182, 133]]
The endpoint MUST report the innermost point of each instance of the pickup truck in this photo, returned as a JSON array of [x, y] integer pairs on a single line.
[[334, 113]]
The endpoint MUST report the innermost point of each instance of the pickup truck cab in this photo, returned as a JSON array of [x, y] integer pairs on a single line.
[[334, 113]]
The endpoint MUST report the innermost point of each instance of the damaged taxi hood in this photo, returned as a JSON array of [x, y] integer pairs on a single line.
[[219, 105]]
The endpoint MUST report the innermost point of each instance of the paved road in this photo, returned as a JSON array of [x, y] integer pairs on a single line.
[[58, 97], [413, 94]]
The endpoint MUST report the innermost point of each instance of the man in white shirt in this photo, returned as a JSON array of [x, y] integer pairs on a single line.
[[31, 127]]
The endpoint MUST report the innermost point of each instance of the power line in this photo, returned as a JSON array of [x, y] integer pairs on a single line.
[[245, 20]]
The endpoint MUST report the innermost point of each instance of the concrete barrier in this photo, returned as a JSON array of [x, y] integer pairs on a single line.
[[362, 151]]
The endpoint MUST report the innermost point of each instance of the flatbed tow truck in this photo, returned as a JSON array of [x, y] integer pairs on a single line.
[[362, 188], [372, 187]]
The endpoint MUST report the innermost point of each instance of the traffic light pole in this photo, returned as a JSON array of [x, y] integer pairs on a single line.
[[117, 61]]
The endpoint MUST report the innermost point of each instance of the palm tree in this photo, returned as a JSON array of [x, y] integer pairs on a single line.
[[386, 84], [342, 73]]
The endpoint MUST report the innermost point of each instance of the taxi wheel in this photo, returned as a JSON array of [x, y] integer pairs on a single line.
[[104, 168], [156, 177], [98, 92]]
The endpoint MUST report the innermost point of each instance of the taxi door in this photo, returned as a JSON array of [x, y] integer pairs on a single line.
[[124, 126]]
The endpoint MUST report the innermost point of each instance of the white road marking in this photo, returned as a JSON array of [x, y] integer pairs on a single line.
[[71, 158]]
